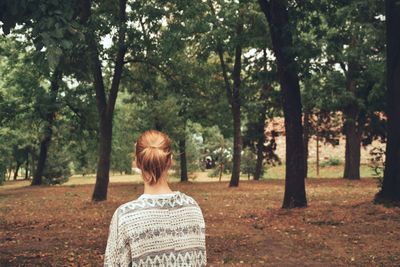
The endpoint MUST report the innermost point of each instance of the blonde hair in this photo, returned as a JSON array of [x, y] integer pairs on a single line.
[[153, 155]]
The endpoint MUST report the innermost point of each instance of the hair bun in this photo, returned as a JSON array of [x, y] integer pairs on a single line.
[[153, 155]]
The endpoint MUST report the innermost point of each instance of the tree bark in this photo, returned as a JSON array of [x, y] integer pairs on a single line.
[[48, 132], [103, 163], [317, 150], [353, 128], [352, 124], [390, 190], [233, 95], [235, 104], [16, 170], [9, 173], [277, 16], [260, 130], [104, 107], [266, 88], [183, 161], [33, 170], [237, 146], [234, 100], [306, 139], [260, 157], [353, 145], [27, 167]]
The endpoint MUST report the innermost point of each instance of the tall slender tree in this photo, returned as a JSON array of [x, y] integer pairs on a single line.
[[277, 15], [105, 101], [48, 131], [232, 89], [390, 190]]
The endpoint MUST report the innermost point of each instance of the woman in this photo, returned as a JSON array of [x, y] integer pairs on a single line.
[[161, 227]]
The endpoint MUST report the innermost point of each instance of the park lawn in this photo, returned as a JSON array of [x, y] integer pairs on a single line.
[[60, 226], [278, 171]]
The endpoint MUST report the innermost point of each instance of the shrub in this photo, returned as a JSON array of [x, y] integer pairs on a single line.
[[331, 162], [248, 162], [377, 163], [57, 169]]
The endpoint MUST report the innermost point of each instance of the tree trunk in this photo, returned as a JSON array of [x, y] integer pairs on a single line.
[[9, 172], [352, 122], [105, 107], [235, 104], [266, 88], [390, 190], [306, 139], [260, 158], [237, 146], [221, 169], [233, 95], [317, 148], [103, 162], [353, 148], [16, 170], [33, 170], [277, 16], [48, 132], [27, 167], [183, 161], [260, 142]]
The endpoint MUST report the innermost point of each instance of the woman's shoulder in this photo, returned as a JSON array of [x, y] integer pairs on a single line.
[[148, 202], [130, 206], [188, 198]]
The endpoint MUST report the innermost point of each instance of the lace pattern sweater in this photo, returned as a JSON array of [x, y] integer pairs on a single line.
[[157, 230]]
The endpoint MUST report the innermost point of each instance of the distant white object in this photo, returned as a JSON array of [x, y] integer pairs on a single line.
[[136, 170]]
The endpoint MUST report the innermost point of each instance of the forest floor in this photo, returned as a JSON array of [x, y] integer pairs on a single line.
[[60, 226], [270, 172]]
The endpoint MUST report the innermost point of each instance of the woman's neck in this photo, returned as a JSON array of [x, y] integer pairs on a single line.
[[161, 187]]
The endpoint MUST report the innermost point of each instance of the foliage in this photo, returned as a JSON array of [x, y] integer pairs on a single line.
[[172, 79], [331, 162], [377, 163], [57, 169], [248, 164]]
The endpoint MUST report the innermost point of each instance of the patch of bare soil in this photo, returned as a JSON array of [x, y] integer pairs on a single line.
[[60, 226]]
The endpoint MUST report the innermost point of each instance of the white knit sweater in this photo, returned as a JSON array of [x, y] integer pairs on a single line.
[[157, 230]]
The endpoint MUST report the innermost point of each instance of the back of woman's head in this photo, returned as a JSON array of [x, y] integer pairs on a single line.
[[153, 155]]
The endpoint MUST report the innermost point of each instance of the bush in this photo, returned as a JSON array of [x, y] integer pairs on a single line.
[[377, 163], [248, 162], [331, 162], [57, 169]]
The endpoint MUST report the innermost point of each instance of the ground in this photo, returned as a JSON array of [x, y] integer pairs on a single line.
[[60, 226]]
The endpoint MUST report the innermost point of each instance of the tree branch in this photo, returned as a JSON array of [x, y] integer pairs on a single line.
[[119, 61], [157, 67], [95, 63]]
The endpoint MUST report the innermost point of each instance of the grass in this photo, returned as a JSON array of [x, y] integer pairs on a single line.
[[271, 172], [278, 172]]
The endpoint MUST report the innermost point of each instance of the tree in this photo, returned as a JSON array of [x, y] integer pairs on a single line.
[[354, 46], [50, 116], [262, 104], [105, 102], [276, 12], [390, 190], [48, 34], [232, 90]]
